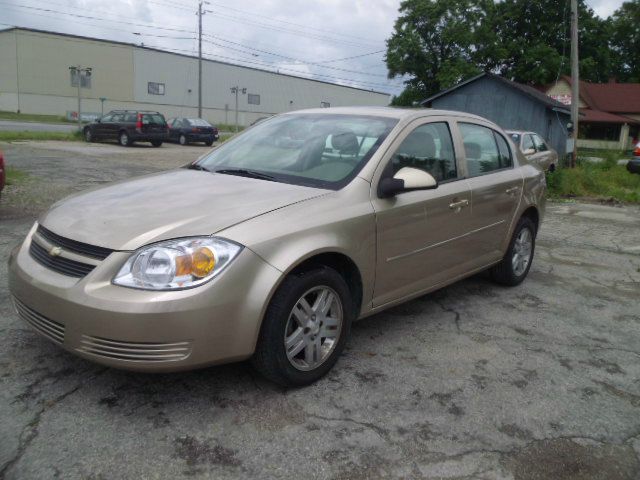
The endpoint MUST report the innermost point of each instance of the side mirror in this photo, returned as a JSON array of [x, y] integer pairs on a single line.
[[529, 151], [98, 120], [405, 180]]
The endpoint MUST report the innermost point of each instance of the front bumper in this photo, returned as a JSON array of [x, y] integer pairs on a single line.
[[218, 322]]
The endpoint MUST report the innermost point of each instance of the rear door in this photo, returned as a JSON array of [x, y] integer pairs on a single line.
[[421, 235], [114, 126], [496, 188], [154, 123]]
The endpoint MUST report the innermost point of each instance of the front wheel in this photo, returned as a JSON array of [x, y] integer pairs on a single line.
[[515, 265], [305, 328], [156, 143], [208, 143], [88, 136], [182, 139]]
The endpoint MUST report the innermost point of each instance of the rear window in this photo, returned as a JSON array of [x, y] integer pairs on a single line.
[[153, 119], [198, 122]]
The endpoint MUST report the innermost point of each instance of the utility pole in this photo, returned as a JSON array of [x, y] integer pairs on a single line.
[[237, 90], [575, 81], [79, 73], [200, 14]]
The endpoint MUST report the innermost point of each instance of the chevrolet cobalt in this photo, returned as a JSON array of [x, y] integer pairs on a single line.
[[270, 246]]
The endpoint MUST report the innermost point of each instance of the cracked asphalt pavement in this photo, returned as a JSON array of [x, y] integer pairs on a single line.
[[475, 381]]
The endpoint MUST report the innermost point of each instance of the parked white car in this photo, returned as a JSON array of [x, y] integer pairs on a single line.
[[535, 148]]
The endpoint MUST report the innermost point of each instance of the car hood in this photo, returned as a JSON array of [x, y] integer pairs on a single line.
[[179, 203]]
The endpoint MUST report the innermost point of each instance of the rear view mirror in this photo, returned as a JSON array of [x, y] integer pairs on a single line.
[[529, 151], [406, 179]]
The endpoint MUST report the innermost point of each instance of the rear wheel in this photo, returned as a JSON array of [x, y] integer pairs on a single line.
[[124, 139], [305, 328], [182, 139], [552, 168], [156, 143], [88, 135], [516, 263]]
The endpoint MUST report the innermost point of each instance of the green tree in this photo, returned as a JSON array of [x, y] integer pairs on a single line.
[[536, 37], [438, 43], [625, 24]]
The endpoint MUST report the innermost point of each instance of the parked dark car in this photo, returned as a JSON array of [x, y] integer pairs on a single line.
[[3, 173], [129, 126], [189, 130], [634, 164]]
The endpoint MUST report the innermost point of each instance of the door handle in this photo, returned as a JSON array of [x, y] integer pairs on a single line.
[[459, 205], [512, 190]]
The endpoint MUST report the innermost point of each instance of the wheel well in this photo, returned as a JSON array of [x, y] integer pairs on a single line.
[[344, 266], [532, 213]]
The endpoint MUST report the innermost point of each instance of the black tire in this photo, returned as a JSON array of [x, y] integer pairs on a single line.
[[124, 139], [504, 273], [552, 168], [182, 140], [88, 135], [208, 143], [270, 357], [156, 143]]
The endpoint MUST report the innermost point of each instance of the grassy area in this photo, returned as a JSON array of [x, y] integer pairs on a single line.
[[30, 117], [605, 180], [15, 176], [18, 136], [228, 127]]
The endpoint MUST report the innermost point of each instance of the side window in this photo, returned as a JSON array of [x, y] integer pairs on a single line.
[[107, 118], [527, 143], [481, 149], [540, 145], [429, 148], [131, 118], [504, 159], [118, 118]]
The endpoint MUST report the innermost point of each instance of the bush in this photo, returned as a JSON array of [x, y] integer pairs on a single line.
[[602, 180]]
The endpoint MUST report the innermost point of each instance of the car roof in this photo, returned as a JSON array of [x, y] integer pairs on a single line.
[[390, 112]]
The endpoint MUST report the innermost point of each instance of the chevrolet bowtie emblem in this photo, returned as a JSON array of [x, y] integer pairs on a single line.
[[55, 251]]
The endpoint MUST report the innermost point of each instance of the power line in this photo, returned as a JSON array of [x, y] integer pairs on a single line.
[[304, 62], [306, 27], [287, 30]]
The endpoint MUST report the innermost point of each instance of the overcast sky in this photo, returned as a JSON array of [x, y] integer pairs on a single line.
[[298, 37]]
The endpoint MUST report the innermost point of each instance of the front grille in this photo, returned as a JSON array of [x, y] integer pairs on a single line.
[[62, 265], [54, 331], [136, 352], [74, 246]]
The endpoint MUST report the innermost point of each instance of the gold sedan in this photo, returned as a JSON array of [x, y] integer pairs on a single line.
[[271, 245]]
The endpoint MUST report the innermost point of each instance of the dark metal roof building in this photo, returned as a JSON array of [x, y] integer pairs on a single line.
[[511, 105]]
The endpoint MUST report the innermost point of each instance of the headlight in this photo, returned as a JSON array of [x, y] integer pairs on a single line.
[[177, 264]]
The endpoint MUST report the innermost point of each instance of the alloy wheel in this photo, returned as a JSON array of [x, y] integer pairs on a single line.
[[313, 328], [522, 250]]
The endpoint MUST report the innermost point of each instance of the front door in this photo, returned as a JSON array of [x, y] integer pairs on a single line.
[[422, 235], [496, 188]]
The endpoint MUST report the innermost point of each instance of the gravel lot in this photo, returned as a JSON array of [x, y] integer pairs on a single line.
[[475, 381]]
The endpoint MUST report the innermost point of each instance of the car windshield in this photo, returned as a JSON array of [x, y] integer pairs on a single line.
[[318, 150], [198, 122]]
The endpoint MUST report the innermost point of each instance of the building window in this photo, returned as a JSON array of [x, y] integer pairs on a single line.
[[325, 104], [85, 80], [155, 88], [253, 99]]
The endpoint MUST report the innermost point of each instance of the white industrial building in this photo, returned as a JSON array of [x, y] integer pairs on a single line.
[[35, 78]]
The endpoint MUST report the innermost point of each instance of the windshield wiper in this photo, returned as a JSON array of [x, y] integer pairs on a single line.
[[241, 172], [195, 166]]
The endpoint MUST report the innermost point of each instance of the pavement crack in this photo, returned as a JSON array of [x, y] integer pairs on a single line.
[[30, 432], [379, 430], [451, 310]]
